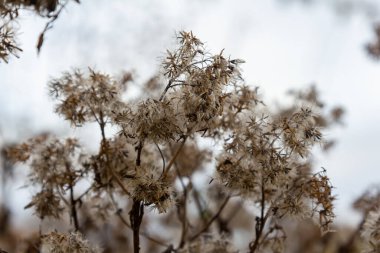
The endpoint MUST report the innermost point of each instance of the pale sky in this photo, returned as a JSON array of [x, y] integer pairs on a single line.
[[284, 45]]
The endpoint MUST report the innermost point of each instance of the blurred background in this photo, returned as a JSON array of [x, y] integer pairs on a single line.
[[287, 44]]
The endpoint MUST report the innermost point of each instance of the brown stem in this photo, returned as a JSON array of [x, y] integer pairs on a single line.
[[73, 210], [223, 223], [198, 204], [49, 25], [137, 210], [102, 124], [162, 157], [147, 236], [166, 90], [260, 222], [74, 214], [183, 217], [136, 214], [139, 150]]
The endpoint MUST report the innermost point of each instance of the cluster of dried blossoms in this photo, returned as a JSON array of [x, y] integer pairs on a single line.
[[153, 159], [55, 242], [8, 45]]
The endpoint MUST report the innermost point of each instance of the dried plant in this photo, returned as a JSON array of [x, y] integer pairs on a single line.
[[66, 242], [374, 48], [263, 167], [9, 13]]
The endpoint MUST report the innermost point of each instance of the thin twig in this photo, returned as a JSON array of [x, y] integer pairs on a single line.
[[162, 156], [49, 25], [166, 89], [205, 228], [102, 125], [84, 193], [74, 214], [198, 204], [73, 209], [62, 196], [120, 183], [139, 150], [171, 162], [182, 217], [260, 221]]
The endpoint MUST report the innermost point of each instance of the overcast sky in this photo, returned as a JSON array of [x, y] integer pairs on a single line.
[[286, 44]]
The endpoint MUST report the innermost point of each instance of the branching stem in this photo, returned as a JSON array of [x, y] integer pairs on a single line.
[[260, 222], [136, 214]]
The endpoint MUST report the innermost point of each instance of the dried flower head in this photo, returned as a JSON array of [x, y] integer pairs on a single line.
[[151, 190], [371, 232], [154, 120], [238, 175], [46, 203], [197, 82], [73, 242], [8, 45], [115, 154], [86, 98], [319, 190]]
